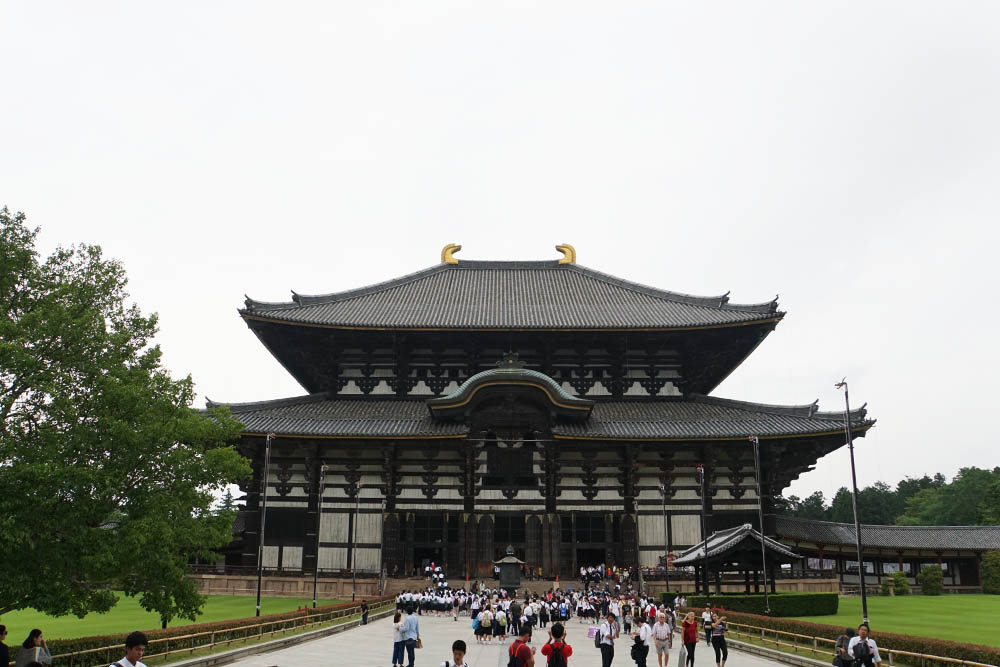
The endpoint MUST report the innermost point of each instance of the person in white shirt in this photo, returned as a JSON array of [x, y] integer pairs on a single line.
[[645, 635], [609, 631], [458, 649], [863, 648], [135, 646], [706, 621], [662, 634]]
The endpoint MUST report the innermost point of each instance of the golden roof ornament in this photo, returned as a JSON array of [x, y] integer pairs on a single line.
[[448, 253], [569, 253]]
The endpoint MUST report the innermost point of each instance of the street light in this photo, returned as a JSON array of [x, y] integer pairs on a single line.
[[760, 514], [319, 524], [704, 528], [263, 516], [666, 536], [854, 497]]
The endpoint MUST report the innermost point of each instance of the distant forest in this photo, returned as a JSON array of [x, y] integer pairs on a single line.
[[971, 498]]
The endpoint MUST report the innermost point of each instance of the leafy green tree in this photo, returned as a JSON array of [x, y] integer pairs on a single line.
[[842, 506], [107, 474], [227, 503], [959, 503], [931, 580], [990, 507], [877, 504]]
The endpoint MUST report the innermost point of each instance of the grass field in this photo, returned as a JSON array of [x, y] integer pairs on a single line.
[[962, 618], [127, 615]]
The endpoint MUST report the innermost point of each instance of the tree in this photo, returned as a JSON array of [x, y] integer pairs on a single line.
[[959, 503], [877, 505], [842, 506], [990, 507], [107, 474], [227, 503]]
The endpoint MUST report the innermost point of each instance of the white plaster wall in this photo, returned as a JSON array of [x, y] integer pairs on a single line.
[[333, 558]]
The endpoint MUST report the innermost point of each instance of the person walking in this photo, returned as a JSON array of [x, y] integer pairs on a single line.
[[364, 612], [643, 641], [33, 649], [556, 650], [397, 639], [690, 629], [662, 636], [863, 649], [4, 649], [411, 633], [458, 649], [719, 639], [135, 647], [609, 632], [841, 658], [706, 621]]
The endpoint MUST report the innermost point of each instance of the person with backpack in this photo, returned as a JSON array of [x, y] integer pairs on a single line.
[[605, 640], [841, 659], [863, 649], [556, 650], [520, 654]]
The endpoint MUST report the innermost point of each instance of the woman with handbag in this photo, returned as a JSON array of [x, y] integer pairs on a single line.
[[842, 658], [32, 650]]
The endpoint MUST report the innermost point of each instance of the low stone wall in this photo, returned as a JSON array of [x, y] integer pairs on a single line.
[[284, 587]]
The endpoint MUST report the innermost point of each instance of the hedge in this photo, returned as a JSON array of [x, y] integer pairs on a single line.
[[782, 604], [223, 630], [926, 645]]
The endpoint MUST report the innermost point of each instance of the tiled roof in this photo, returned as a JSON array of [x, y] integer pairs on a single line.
[[890, 537], [505, 295], [726, 540], [700, 417]]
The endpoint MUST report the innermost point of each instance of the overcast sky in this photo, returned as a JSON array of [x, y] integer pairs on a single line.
[[844, 155]]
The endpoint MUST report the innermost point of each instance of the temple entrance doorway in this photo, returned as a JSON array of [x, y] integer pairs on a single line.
[[589, 557], [424, 556]]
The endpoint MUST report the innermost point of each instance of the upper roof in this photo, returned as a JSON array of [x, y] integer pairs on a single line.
[[929, 538], [511, 295], [700, 417], [725, 541]]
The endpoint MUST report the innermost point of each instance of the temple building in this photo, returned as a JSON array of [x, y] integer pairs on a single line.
[[544, 405]]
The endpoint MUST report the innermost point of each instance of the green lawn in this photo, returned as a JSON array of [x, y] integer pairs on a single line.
[[962, 618], [127, 615]]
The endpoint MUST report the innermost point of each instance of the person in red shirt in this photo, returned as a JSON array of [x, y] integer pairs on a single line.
[[519, 649], [557, 644], [690, 636]]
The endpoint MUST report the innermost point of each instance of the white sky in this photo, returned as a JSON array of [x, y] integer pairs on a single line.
[[844, 155]]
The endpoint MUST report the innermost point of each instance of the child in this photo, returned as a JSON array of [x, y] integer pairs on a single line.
[[457, 655]]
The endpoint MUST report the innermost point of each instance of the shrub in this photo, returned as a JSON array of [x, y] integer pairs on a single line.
[[931, 580], [886, 587], [223, 630], [900, 584], [782, 604], [972, 652], [990, 570]]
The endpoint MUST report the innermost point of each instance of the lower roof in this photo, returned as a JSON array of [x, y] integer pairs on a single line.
[[725, 542], [928, 538], [695, 418]]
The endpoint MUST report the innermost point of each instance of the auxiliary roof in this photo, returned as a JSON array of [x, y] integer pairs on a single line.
[[948, 538], [511, 295], [698, 418]]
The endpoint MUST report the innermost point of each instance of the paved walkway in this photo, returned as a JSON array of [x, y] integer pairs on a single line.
[[371, 646]]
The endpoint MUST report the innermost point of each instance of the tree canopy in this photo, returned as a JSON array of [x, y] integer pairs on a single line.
[[971, 498], [107, 474]]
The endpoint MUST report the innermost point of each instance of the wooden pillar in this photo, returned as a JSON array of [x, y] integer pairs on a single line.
[[576, 564], [746, 580], [444, 543], [756, 581], [408, 544], [774, 584], [310, 549], [718, 582]]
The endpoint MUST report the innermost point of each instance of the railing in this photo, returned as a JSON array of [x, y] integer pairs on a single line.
[[814, 642], [737, 578], [190, 643], [250, 570]]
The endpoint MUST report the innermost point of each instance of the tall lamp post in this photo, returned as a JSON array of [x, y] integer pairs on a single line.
[[354, 543], [666, 536], [263, 516], [319, 525], [760, 515], [854, 497], [704, 529]]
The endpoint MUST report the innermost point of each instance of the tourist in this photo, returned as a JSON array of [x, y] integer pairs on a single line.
[[33, 649], [135, 646], [411, 632], [863, 649], [556, 650], [364, 612], [643, 640], [842, 657], [4, 650], [690, 629], [719, 629], [397, 639], [520, 651], [706, 622], [608, 632], [458, 649], [662, 635]]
